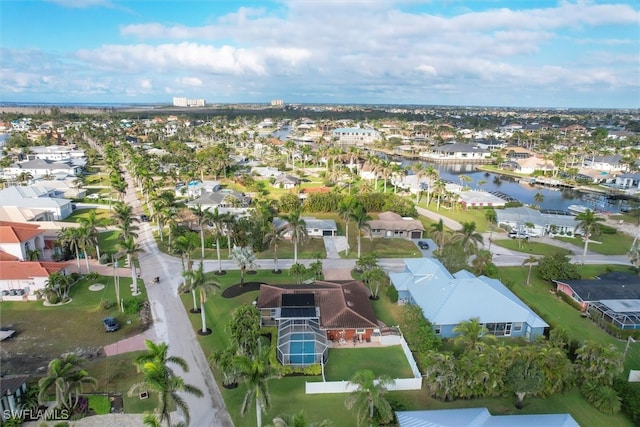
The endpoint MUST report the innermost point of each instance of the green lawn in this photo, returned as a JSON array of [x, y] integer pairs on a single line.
[[605, 244], [343, 362], [531, 247], [83, 213]]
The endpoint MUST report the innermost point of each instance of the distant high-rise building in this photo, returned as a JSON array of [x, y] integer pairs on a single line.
[[186, 102], [277, 103]]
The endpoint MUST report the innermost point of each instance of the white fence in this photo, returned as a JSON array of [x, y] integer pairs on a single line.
[[414, 383]]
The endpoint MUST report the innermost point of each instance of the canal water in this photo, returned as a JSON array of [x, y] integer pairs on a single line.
[[520, 189]]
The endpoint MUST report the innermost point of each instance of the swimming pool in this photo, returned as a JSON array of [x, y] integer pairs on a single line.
[[302, 348]]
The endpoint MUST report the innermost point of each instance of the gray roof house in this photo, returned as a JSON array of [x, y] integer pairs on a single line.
[[37, 198], [226, 201], [480, 417], [315, 227], [544, 221], [39, 167], [286, 181], [390, 224], [448, 299]]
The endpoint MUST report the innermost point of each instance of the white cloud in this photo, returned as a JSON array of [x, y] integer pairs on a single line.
[[190, 81]]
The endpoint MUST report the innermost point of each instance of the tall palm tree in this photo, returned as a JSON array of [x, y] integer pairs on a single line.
[[589, 225], [67, 375], [130, 249], [345, 210], [92, 222], [469, 237], [439, 190], [83, 234], [159, 378], [69, 237], [203, 217], [218, 220], [245, 258], [255, 372], [184, 246], [369, 396], [204, 286], [297, 228], [273, 236], [438, 233], [361, 220], [529, 261]]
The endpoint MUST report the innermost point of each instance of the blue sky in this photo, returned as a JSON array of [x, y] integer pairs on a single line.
[[573, 53]]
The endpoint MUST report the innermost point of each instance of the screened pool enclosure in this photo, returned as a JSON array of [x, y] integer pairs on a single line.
[[301, 342]]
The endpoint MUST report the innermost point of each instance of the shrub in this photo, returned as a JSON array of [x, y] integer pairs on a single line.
[[132, 305], [105, 258], [605, 229], [392, 293], [630, 395]]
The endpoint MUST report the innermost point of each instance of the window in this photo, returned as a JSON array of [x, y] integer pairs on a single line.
[[437, 329], [360, 331], [517, 327]]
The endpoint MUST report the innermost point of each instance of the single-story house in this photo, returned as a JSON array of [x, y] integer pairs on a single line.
[[223, 200], [307, 316], [457, 152], [286, 181], [545, 222], [37, 198], [628, 181], [355, 136], [479, 417], [12, 388], [19, 280], [390, 224], [480, 199], [448, 299], [613, 297], [39, 167], [315, 227], [614, 162], [64, 187], [196, 188], [343, 308]]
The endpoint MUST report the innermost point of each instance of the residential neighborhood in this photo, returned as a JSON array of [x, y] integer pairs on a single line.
[[332, 253]]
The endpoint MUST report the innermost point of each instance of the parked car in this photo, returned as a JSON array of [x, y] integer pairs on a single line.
[[513, 234], [110, 324], [144, 218], [423, 245]]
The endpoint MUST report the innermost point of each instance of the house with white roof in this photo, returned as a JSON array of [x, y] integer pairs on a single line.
[[355, 136], [606, 163], [49, 202], [448, 299], [316, 227], [544, 221], [38, 168]]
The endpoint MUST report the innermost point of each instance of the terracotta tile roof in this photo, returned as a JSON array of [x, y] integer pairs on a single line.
[[15, 232], [4, 256], [15, 270], [343, 305]]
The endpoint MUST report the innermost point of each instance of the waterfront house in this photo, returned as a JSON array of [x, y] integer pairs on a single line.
[[628, 181], [355, 136], [390, 224], [611, 163], [448, 299], [457, 152]]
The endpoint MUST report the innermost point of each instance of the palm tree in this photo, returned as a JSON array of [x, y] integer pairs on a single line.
[[469, 237], [218, 219], [538, 198], [439, 189], [130, 248], [256, 372], [160, 378], [369, 396], [245, 258], [589, 224], [470, 332], [438, 233], [361, 219], [92, 222], [345, 210], [271, 238], [203, 217], [70, 237], [183, 246], [67, 376], [297, 228], [204, 286], [297, 420], [529, 261]]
